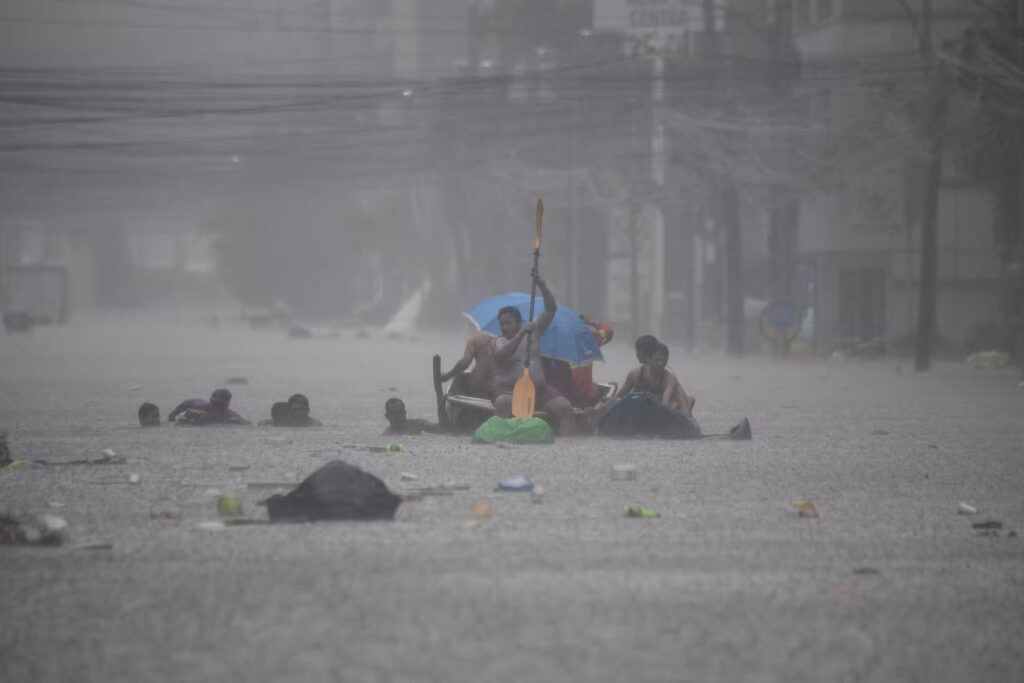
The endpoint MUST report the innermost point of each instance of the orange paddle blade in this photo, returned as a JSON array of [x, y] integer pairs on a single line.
[[523, 395]]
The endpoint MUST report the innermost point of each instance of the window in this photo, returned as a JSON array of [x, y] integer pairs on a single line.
[[823, 10], [801, 13]]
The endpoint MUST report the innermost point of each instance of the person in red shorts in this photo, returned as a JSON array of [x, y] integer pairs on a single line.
[[576, 382]]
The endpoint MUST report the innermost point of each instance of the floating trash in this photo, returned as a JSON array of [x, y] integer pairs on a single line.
[[639, 511], [805, 508], [517, 484], [624, 472], [229, 506]]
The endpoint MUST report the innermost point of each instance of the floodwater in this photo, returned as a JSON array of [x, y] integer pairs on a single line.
[[888, 583]]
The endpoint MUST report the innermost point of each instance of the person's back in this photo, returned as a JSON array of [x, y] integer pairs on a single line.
[[197, 411], [479, 381]]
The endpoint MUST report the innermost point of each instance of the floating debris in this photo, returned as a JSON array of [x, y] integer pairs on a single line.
[[805, 508]]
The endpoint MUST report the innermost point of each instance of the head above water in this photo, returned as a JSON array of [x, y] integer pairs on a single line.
[[394, 411], [220, 399], [510, 320], [149, 415], [659, 357], [645, 346], [279, 412], [298, 408]]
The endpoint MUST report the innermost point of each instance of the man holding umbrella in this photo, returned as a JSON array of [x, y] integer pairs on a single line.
[[509, 356]]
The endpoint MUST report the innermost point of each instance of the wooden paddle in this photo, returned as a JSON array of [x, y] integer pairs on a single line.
[[524, 394]]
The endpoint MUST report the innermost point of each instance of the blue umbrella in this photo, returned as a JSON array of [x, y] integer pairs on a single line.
[[567, 338]]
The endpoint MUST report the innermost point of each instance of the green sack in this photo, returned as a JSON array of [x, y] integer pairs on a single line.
[[514, 430]]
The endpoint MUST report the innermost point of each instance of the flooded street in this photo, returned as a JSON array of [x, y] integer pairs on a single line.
[[728, 584]]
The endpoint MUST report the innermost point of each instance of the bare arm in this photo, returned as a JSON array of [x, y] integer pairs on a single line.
[[671, 386], [680, 399], [550, 306], [627, 386], [181, 408], [460, 365], [506, 351]]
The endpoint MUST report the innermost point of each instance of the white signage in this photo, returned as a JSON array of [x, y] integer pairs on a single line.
[[625, 15], [652, 27]]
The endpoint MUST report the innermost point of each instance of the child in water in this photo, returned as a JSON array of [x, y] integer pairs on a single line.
[[654, 377]]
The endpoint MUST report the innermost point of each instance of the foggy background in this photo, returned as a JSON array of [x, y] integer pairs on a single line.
[[697, 159]]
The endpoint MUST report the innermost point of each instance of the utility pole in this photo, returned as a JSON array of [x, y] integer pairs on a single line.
[[726, 210], [785, 210], [933, 128]]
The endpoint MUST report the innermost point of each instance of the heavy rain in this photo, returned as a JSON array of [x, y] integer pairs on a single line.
[[504, 340]]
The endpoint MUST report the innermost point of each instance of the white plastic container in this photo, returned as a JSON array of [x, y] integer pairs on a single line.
[[624, 472]]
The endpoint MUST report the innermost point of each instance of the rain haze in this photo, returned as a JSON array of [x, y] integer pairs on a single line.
[[322, 205]]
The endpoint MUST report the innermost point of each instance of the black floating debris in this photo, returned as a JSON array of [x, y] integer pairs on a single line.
[[989, 524], [336, 491], [236, 380], [46, 529], [862, 571], [299, 332], [108, 458]]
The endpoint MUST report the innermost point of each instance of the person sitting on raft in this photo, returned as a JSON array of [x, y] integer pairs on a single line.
[[215, 411], [576, 381], [398, 423], [654, 378], [510, 359], [298, 413], [645, 345], [149, 415], [478, 382]]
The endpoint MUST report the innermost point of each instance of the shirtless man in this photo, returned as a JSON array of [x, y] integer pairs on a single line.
[[509, 357], [398, 423], [479, 382], [201, 412]]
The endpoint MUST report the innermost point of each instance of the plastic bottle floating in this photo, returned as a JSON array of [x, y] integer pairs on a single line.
[[639, 511], [390, 448]]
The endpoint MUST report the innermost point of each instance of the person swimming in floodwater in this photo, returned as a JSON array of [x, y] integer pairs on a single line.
[[298, 413], [653, 377], [398, 423], [149, 415], [278, 416], [198, 412]]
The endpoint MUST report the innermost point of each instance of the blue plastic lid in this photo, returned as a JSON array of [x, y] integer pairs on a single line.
[[517, 483]]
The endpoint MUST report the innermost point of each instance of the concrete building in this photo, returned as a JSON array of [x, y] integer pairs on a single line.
[[860, 238]]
